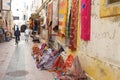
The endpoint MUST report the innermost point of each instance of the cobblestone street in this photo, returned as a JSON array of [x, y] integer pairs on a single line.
[[16, 62]]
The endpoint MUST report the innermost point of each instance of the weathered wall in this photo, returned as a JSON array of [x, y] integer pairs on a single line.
[[100, 57]]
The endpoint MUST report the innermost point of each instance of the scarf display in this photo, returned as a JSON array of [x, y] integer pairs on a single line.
[[68, 21], [49, 12], [62, 16], [73, 25], [49, 18], [85, 19], [55, 16], [77, 70]]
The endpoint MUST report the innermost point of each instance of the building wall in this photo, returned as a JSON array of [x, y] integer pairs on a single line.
[[99, 57]]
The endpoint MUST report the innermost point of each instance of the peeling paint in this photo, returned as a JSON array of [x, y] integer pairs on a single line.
[[99, 57]]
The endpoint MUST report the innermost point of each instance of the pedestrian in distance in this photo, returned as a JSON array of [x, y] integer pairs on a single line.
[[27, 33], [17, 35]]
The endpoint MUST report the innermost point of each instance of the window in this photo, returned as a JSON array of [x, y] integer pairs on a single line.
[[15, 17], [109, 8]]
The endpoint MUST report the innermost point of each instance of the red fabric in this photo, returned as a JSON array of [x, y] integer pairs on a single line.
[[69, 61], [73, 25], [85, 19], [58, 65], [59, 62]]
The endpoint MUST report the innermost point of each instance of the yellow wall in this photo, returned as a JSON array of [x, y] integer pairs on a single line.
[[99, 57], [109, 10]]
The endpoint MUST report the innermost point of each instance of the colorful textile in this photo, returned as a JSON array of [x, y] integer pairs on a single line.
[[44, 58], [49, 18], [75, 72], [85, 19], [73, 26], [51, 60], [49, 12], [55, 14], [58, 64], [78, 71], [43, 45], [68, 20], [68, 27], [63, 6], [68, 62]]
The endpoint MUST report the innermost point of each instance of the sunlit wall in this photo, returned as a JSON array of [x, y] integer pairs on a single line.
[[21, 9]]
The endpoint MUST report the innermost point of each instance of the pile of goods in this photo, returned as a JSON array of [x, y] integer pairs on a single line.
[[52, 60]]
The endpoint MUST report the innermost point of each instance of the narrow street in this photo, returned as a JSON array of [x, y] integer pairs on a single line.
[[16, 62], [77, 40]]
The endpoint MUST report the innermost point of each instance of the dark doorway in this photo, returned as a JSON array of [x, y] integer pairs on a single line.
[[23, 27]]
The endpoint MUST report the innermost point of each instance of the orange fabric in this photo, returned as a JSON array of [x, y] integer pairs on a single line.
[[69, 61], [63, 6], [39, 52], [35, 49]]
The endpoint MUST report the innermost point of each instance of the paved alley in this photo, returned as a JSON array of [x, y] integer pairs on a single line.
[[16, 62]]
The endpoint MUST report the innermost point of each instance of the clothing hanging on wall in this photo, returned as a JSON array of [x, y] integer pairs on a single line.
[[74, 25], [85, 19], [49, 18], [55, 15], [68, 22], [63, 6], [50, 12]]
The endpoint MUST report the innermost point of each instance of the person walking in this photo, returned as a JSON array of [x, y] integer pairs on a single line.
[[27, 33], [15, 27], [17, 35]]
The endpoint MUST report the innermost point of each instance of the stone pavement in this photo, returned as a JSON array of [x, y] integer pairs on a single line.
[[16, 62]]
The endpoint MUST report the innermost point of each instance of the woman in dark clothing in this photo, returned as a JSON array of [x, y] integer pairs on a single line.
[[17, 35]]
